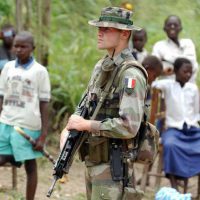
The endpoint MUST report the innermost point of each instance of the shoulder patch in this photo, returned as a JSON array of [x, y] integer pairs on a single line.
[[130, 83]]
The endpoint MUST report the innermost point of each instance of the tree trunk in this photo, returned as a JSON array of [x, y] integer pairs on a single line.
[[19, 4], [28, 24], [41, 25], [39, 30], [45, 30]]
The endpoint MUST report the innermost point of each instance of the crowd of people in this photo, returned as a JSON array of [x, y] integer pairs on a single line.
[[181, 96], [171, 66]]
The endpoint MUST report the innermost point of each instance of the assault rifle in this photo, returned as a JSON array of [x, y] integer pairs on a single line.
[[71, 146]]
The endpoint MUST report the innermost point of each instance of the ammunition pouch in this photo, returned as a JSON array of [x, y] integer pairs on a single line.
[[132, 194], [98, 150], [145, 147]]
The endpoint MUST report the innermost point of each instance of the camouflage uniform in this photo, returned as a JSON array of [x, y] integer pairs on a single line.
[[119, 117]]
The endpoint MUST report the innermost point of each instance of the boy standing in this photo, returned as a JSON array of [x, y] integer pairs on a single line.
[[174, 47], [139, 39], [25, 93]]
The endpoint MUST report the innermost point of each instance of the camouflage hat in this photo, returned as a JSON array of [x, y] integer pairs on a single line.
[[115, 17]]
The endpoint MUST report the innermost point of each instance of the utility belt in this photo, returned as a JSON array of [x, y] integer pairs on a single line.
[[97, 150]]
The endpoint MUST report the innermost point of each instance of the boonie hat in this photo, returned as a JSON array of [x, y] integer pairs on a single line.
[[115, 17]]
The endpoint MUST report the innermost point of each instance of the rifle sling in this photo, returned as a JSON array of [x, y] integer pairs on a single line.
[[105, 92]]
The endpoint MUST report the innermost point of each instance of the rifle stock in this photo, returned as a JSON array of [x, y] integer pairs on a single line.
[[66, 156]]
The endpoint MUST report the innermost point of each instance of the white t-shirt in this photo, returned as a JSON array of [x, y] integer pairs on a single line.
[[22, 90], [168, 51], [182, 103], [141, 55]]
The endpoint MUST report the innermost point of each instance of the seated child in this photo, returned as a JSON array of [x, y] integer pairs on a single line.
[[181, 140], [139, 39], [154, 68]]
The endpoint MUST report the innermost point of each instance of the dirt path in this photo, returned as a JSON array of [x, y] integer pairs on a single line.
[[74, 189]]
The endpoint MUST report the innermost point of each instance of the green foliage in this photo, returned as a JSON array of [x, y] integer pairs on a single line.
[[72, 45], [13, 195], [73, 51], [6, 11], [151, 15]]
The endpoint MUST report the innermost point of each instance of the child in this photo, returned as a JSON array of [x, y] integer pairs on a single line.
[[153, 66], [139, 39], [181, 140], [25, 93], [174, 47], [7, 36]]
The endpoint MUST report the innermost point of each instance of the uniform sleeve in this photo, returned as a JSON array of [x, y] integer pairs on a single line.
[[131, 107], [44, 87]]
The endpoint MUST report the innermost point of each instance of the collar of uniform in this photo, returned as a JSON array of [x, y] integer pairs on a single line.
[[26, 65], [125, 54]]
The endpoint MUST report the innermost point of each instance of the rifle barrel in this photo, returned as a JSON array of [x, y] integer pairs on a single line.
[[52, 187]]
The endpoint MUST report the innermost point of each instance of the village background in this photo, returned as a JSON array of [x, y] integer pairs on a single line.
[[66, 45]]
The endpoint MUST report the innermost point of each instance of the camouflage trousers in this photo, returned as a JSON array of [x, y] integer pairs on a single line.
[[100, 186]]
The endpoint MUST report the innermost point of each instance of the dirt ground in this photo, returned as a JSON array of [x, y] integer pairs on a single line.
[[73, 189]]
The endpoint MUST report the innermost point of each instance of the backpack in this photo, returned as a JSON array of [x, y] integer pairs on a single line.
[[144, 146]]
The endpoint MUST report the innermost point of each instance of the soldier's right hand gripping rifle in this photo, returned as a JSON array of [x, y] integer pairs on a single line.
[[71, 147]]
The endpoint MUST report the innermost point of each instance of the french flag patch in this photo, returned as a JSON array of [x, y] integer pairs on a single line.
[[130, 82]]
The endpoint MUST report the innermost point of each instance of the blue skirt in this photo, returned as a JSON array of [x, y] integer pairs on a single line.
[[181, 152]]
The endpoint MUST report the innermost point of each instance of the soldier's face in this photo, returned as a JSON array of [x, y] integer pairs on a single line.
[[108, 38]]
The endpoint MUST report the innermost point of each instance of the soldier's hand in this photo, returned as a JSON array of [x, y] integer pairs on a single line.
[[78, 123], [63, 137]]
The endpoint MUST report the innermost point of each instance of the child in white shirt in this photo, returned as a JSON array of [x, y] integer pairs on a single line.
[[181, 140], [139, 39]]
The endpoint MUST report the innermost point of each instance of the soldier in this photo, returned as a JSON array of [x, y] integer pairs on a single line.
[[121, 113]]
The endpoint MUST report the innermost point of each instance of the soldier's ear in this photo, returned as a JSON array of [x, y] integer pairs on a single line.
[[126, 34]]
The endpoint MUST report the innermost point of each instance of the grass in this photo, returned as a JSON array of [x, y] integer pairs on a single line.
[[11, 194]]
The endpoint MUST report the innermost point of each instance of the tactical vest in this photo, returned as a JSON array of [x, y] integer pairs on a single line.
[[110, 106], [98, 147]]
